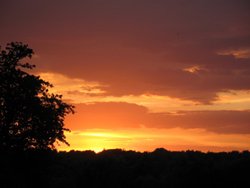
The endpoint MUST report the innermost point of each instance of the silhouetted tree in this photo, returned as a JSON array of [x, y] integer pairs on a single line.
[[30, 116]]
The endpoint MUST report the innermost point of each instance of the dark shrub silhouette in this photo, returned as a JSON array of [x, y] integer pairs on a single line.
[[30, 117]]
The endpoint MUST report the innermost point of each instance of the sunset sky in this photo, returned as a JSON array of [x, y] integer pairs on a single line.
[[142, 74]]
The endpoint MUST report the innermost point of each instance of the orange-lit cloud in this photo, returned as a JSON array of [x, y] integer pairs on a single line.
[[239, 54], [124, 115], [81, 91], [72, 86], [193, 69]]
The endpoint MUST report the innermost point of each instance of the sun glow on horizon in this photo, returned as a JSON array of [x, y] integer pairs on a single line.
[[148, 139]]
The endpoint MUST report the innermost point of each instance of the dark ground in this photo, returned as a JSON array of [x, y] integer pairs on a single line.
[[118, 168]]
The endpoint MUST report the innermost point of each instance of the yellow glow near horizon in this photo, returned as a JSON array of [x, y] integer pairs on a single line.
[[148, 139]]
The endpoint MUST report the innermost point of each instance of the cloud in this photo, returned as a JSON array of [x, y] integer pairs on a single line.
[[193, 69], [239, 53], [76, 91], [137, 47], [72, 86], [124, 115], [214, 121], [106, 115]]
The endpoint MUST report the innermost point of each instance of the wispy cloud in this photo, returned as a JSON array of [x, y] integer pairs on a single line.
[[238, 53]]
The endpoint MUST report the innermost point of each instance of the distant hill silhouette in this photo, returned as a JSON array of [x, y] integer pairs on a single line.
[[120, 169]]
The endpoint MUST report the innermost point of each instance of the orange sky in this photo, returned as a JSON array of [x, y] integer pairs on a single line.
[[142, 74]]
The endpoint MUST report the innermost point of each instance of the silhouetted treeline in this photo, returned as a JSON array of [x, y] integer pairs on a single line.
[[118, 168]]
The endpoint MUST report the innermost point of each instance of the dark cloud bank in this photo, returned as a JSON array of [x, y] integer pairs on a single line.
[[125, 115], [138, 46]]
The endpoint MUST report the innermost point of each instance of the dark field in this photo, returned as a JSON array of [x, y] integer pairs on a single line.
[[118, 168]]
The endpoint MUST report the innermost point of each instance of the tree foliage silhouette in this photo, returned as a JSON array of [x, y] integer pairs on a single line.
[[30, 116]]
